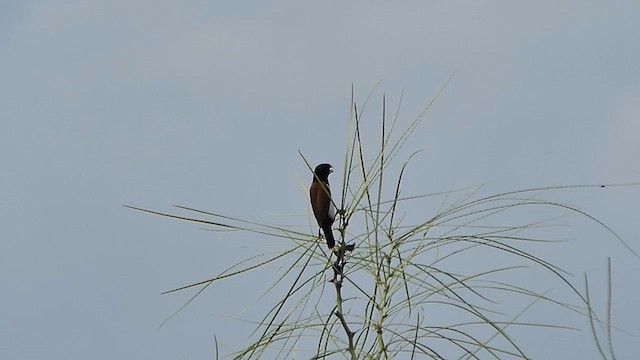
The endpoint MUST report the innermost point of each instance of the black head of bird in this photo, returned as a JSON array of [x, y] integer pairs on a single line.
[[322, 172]]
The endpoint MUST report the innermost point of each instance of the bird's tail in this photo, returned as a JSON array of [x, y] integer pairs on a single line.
[[328, 234]]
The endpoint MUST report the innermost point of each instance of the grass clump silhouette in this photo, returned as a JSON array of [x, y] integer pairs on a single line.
[[398, 290]]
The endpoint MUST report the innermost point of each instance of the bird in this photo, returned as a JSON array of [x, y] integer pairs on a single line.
[[323, 208]]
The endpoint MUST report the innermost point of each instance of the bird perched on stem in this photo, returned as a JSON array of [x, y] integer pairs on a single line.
[[323, 208]]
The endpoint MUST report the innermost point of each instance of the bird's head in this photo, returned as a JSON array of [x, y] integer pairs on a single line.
[[322, 172]]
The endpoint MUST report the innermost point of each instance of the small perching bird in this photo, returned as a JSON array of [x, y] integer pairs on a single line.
[[323, 208]]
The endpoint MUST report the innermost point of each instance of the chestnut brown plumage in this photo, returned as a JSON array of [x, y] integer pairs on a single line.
[[323, 208]]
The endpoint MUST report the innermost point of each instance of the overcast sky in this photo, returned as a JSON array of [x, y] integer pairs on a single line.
[[206, 104]]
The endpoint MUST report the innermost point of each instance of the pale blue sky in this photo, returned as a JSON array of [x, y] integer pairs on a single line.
[[202, 104]]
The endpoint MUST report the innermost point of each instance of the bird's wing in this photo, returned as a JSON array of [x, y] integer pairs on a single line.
[[321, 202]]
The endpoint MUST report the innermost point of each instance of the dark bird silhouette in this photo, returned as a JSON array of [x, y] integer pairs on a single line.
[[323, 208]]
